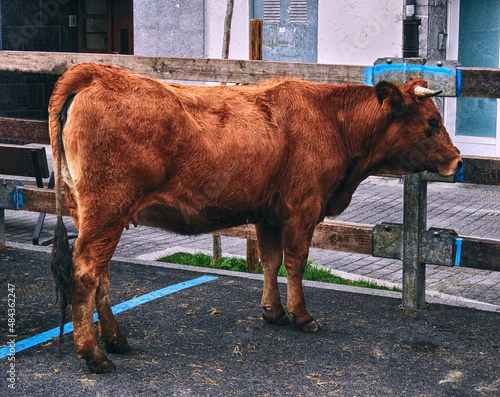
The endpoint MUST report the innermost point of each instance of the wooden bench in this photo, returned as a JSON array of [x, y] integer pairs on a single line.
[[25, 161]]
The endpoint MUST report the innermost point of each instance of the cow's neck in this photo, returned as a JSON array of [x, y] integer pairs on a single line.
[[360, 124]]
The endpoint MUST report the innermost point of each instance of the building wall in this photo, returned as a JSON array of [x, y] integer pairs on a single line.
[[358, 32], [215, 13], [169, 28]]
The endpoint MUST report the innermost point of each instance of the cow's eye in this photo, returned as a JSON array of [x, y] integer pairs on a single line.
[[434, 124]]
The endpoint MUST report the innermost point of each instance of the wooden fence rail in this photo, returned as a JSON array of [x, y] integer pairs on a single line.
[[471, 82], [410, 242]]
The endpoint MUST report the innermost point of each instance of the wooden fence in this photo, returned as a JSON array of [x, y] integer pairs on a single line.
[[411, 241]]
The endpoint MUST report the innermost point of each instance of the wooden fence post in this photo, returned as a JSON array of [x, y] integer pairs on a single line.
[[255, 39], [414, 225], [255, 55]]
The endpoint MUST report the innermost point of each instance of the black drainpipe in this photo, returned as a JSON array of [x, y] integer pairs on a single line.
[[410, 31]]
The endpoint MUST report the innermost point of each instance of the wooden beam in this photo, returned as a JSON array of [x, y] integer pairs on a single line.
[[480, 253], [481, 170], [40, 200], [24, 131], [338, 236], [480, 82], [193, 69], [474, 82], [342, 236]]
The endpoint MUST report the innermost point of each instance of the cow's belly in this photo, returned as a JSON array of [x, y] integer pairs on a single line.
[[188, 222]]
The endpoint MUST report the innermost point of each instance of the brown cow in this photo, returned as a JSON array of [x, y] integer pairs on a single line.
[[281, 155]]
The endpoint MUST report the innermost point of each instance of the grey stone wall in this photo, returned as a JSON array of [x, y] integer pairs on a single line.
[[169, 28], [433, 14]]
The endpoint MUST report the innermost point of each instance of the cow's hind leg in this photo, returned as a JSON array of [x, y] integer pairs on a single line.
[[271, 255], [91, 255], [109, 332], [296, 243]]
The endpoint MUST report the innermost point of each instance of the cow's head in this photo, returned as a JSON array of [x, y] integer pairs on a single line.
[[415, 139]]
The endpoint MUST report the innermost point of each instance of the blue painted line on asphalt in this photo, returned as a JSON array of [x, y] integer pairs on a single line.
[[54, 332], [458, 242]]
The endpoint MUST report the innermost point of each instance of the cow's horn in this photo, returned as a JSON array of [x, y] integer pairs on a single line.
[[425, 92]]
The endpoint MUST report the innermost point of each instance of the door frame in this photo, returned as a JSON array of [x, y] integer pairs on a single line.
[[467, 144]]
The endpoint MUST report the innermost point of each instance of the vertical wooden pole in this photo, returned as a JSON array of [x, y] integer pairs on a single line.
[[227, 29], [256, 39], [252, 255], [255, 54], [414, 225]]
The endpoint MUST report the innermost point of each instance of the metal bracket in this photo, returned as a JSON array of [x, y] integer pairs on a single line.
[[388, 240], [436, 246], [440, 75], [11, 197]]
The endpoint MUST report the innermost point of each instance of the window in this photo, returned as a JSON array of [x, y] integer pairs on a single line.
[[105, 26]]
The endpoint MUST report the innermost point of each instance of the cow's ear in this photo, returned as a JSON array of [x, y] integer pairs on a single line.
[[390, 97]]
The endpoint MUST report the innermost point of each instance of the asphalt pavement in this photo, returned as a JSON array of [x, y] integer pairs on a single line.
[[202, 335]]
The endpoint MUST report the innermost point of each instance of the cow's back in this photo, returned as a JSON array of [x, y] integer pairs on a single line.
[[225, 150]]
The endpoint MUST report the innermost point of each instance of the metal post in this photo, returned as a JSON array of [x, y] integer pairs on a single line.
[[414, 225]]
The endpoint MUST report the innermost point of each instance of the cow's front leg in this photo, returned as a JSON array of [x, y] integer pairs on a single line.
[[109, 332], [271, 255], [296, 243]]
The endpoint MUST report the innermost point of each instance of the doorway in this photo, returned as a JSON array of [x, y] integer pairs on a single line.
[[105, 26], [290, 29], [474, 39]]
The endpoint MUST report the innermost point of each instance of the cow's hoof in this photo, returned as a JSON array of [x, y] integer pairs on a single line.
[[101, 366], [119, 346], [309, 325], [281, 319]]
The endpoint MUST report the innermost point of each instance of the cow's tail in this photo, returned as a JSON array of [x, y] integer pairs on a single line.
[[62, 259]]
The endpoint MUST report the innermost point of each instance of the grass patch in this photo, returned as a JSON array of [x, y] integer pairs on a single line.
[[240, 265]]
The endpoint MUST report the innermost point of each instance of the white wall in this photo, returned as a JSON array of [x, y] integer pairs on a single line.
[[357, 32], [215, 12], [169, 28]]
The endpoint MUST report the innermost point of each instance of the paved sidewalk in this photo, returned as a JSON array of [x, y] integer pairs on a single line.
[[469, 209]]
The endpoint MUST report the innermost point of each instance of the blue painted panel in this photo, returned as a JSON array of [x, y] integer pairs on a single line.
[[290, 29], [478, 46]]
